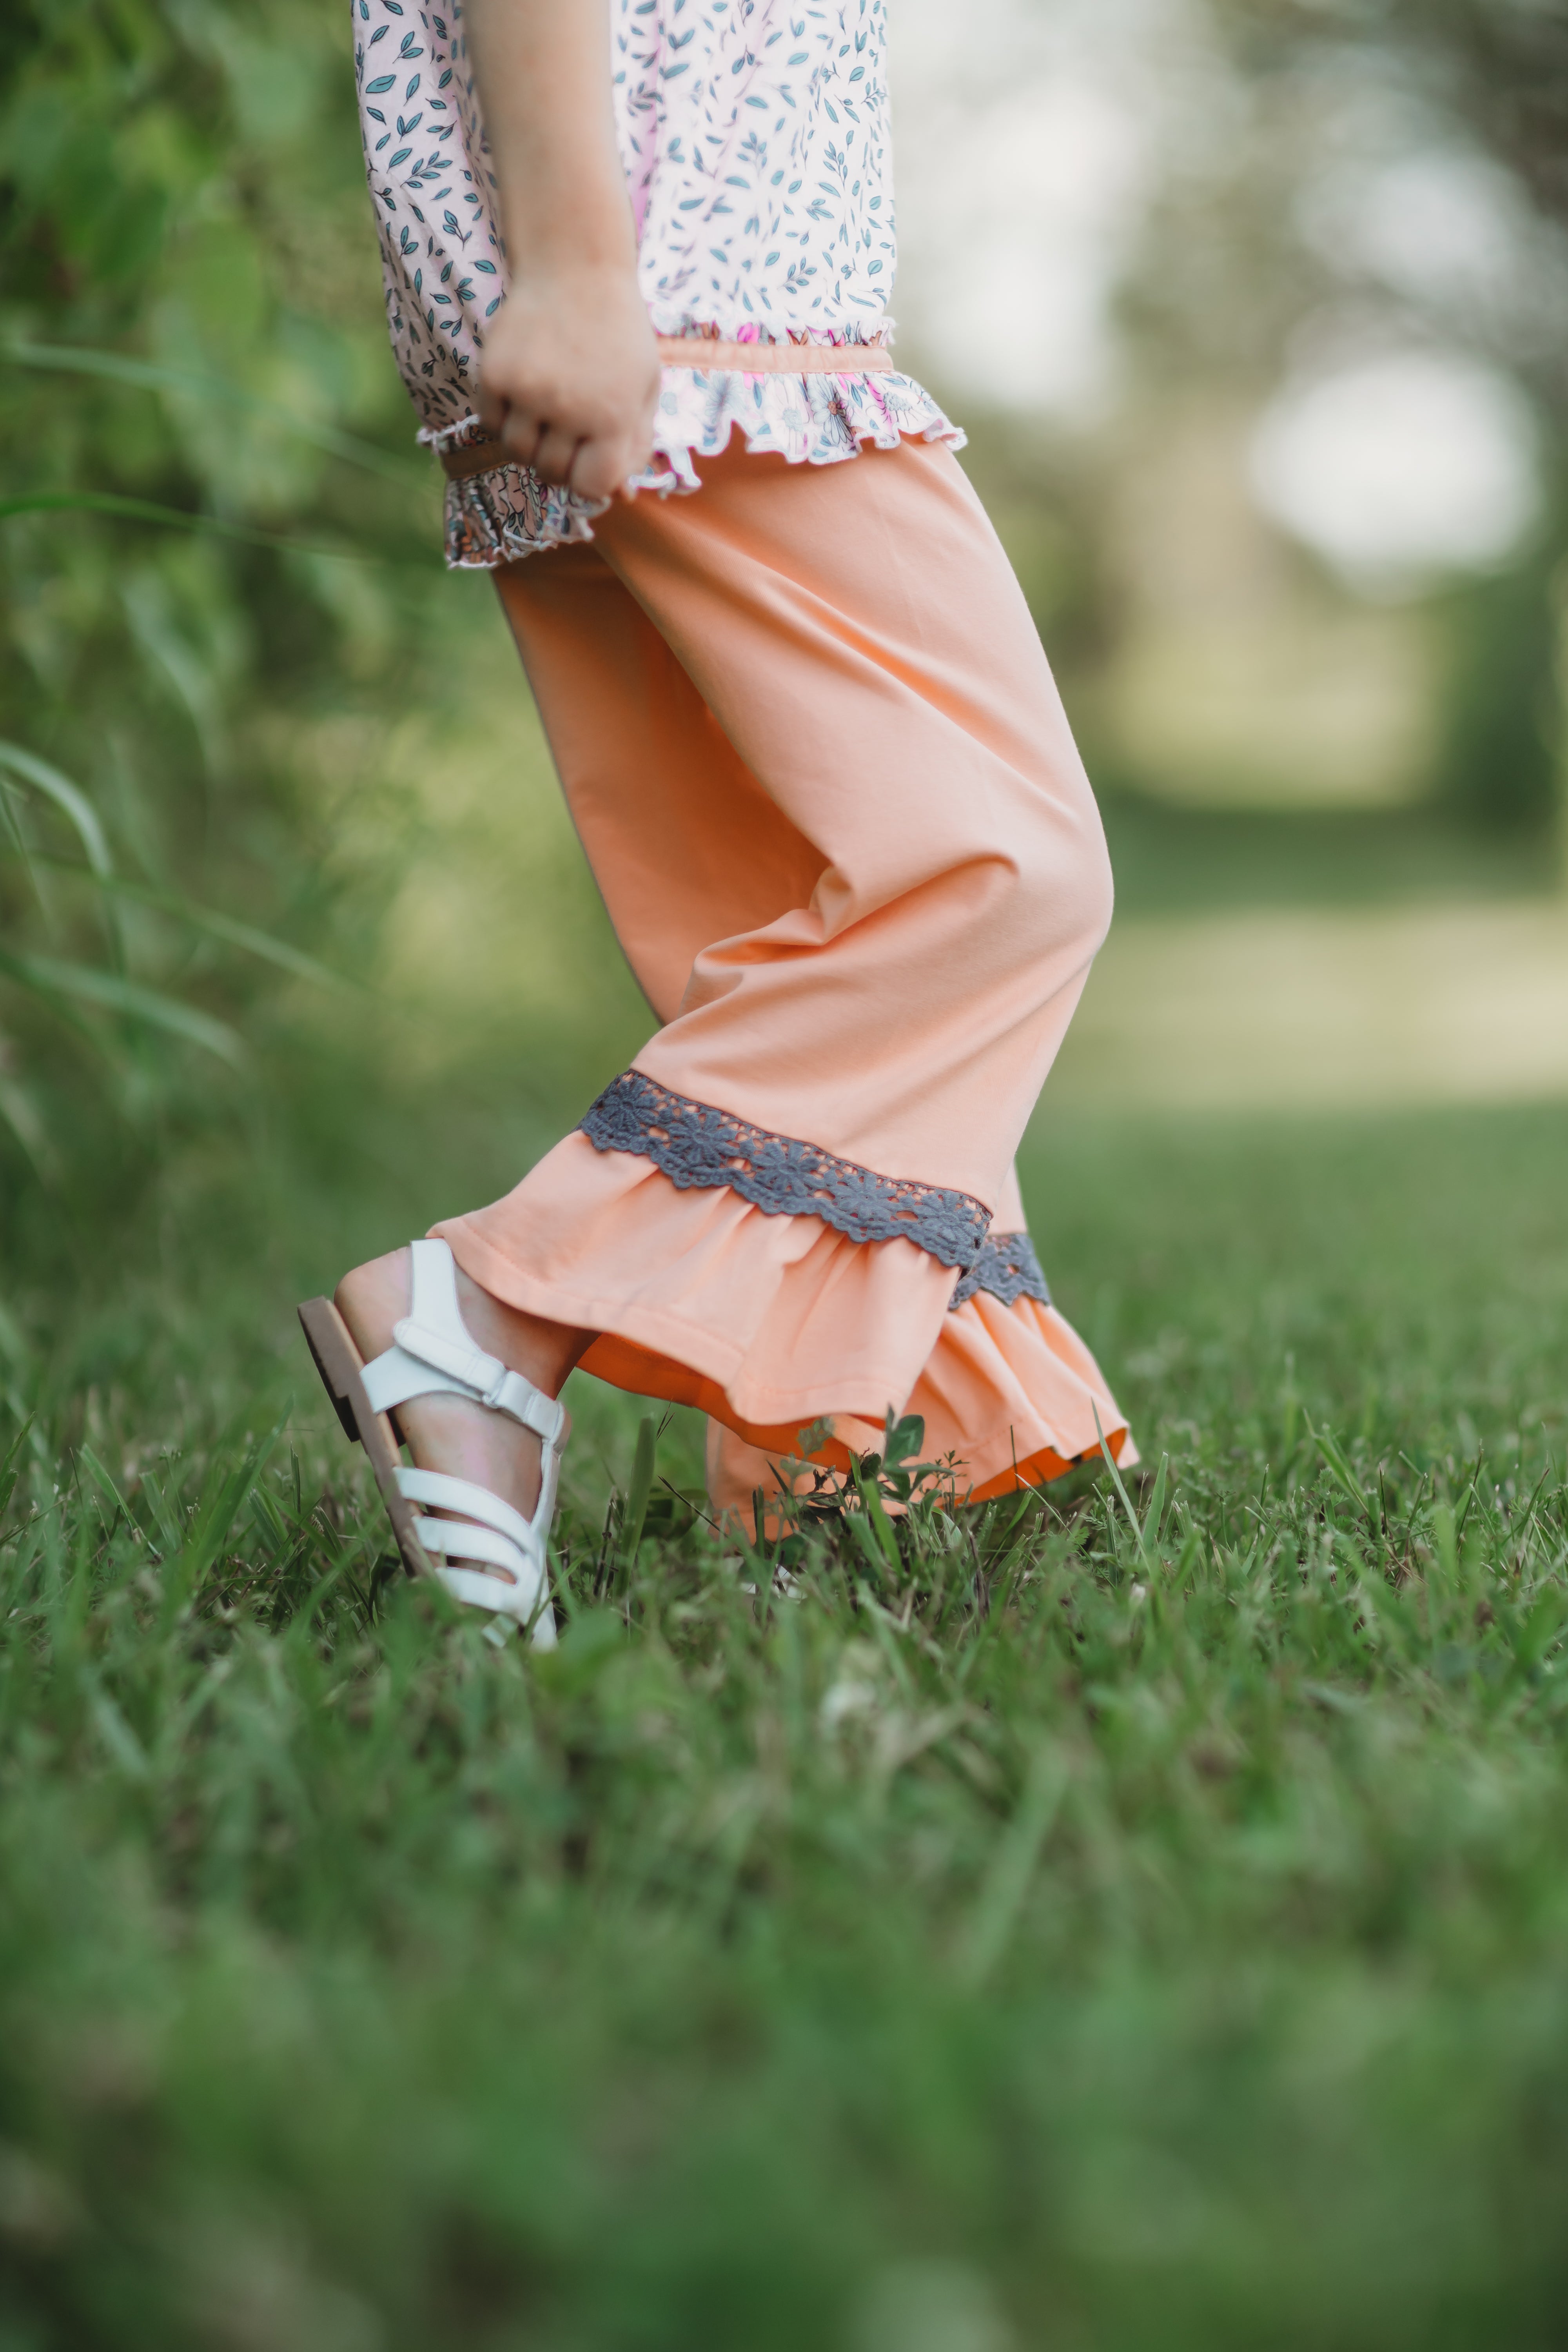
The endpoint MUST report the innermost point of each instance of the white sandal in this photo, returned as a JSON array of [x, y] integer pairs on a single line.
[[434, 1354]]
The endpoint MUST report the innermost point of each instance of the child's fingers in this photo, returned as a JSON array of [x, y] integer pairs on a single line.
[[594, 464], [520, 431], [601, 467], [593, 474], [553, 459]]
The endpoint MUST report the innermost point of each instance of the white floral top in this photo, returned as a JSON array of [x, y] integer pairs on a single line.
[[755, 140]]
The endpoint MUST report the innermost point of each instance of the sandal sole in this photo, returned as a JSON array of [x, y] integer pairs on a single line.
[[340, 1365]]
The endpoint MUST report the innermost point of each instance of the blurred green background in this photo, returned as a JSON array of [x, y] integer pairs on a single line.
[[1128, 1921], [258, 730]]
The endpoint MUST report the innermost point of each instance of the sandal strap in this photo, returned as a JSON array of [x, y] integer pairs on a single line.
[[492, 1533], [484, 1378], [523, 1589], [443, 1493], [519, 1591], [435, 1355], [461, 1539], [481, 1591], [392, 1379]]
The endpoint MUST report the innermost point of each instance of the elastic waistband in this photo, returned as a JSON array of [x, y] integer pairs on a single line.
[[774, 359], [705, 352]]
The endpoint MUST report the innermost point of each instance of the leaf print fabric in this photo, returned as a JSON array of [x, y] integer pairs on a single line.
[[755, 138], [756, 143]]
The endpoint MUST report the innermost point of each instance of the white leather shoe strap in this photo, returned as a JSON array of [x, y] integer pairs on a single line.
[[481, 1591], [434, 1354], [523, 1593], [395, 1377], [433, 1289], [456, 1355], [441, 1493], [546, 1416], [433, 1329], [461, 1539], [484, 1378]]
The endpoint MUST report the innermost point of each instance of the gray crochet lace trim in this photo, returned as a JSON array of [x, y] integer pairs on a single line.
[[699, 1148], [1006, 1268]]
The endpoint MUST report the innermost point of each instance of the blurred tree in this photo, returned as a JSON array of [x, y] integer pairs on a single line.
[[1499, 67], [211, 520], [1464, 80], [1501, 717]]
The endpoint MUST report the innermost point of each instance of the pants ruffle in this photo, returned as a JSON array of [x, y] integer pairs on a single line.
[[771, 1324], [1010, 1395], [767, 1322], [816, 757]]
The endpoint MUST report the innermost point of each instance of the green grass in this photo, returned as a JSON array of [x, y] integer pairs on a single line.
[[1084, 1933], [1171, 859]]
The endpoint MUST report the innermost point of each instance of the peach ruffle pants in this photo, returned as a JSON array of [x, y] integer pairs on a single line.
[[820, 768]]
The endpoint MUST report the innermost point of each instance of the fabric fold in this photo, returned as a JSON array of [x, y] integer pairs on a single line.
[[1009, 1395], [844, 836], [700, 1298], [774, 1324]]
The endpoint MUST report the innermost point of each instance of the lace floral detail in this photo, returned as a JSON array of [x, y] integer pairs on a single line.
[[810, 420], [699, 1148], [1008, 1268]]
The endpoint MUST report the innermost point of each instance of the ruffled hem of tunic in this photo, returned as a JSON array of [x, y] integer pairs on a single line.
[[500, 516]]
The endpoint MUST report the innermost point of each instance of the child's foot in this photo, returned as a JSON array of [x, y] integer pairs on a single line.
[[464, 1439]]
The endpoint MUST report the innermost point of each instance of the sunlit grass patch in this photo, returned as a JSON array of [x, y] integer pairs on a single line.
[[1113, 1918]]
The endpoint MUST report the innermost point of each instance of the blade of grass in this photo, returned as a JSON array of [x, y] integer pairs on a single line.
[[881, 1527], [111, 502], [1333, 1454], [641, 1487], [51, 976], [66, 796], [219, 927], [1133, 1519], [1007, 1881], [1155, 1512], [120, 368]]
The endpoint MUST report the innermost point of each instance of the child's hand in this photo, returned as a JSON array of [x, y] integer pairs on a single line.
[[570, 377]]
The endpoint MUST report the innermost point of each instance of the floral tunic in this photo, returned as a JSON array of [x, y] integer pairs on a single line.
[[755, 138]]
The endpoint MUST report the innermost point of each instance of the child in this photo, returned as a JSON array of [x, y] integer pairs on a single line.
[[809, 739]]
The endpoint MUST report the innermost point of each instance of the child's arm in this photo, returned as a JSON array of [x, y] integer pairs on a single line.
[[570, 371]]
